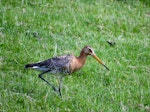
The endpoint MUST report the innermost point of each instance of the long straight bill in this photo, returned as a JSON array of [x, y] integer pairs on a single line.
[[100, 61]]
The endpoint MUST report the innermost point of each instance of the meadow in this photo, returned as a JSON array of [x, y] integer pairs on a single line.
[[35, 30]]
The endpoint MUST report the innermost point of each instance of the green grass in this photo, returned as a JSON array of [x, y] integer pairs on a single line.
[[34, 30]]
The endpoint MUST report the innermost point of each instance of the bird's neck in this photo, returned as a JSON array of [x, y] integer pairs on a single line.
[[82, 58], [78, 62]]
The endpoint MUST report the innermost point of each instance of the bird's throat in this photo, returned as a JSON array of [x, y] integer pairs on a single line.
[[82, 58]]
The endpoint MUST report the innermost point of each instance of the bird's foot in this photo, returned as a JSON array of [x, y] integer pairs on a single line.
[[58, 91], [55, 89]]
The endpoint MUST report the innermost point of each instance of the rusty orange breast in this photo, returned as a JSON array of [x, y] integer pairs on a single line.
[[77, 62]]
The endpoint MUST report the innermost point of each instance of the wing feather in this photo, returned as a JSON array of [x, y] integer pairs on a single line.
[[60, 64]]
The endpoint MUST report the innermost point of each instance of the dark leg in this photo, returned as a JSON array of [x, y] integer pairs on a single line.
[[60, 85], [40, 75]]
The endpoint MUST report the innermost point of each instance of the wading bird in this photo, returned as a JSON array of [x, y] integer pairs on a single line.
[[63, 65]]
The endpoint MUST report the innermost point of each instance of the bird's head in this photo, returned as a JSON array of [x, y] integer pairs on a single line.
[[90, 51]]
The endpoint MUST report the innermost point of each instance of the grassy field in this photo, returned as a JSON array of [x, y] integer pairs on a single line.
[[34, 30]]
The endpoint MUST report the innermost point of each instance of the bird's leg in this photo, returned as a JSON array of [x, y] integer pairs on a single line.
[[60, 85], [40, 75]]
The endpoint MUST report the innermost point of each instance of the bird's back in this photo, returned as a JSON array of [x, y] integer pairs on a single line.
[[55, 65]]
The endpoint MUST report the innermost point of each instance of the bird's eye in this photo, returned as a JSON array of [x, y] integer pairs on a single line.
[[90, 50]]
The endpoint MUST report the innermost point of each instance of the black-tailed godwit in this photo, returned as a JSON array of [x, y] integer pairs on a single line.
[[63, 65]]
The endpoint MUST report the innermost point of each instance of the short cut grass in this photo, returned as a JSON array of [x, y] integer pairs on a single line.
[[35, 30]]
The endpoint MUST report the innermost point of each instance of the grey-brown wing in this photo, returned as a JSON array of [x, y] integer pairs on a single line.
[[59, 64]]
